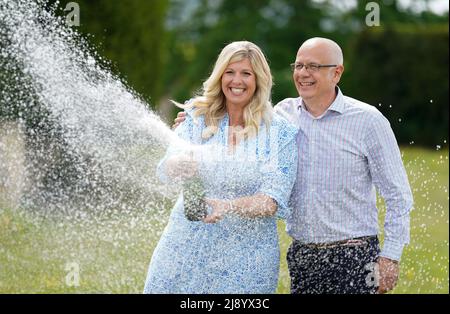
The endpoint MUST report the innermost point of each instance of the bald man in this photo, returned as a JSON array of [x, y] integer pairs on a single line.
[[346, 150]]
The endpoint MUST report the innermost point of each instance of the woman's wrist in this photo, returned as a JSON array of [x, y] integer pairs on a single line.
[[223, 207], [229, 208]]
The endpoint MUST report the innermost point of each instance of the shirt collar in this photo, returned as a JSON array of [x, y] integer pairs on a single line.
[[337, 105]]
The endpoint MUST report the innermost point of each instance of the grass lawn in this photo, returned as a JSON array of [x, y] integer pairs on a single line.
[[111, 255]]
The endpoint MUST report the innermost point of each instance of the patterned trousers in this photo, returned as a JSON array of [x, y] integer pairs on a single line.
[[347, 268]]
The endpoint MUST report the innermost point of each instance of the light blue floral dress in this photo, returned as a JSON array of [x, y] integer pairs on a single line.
[[236, 254]]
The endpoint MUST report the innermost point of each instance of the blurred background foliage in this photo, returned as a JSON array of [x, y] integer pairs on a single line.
[[164, 49]]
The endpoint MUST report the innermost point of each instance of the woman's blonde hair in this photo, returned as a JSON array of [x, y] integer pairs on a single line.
[[212, 100]]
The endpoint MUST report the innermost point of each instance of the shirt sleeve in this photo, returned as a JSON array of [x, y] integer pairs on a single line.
[[390, 179], [185, 132], [280, 170], [287, 109]]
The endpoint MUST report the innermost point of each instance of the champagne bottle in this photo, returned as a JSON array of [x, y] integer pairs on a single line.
[[195, 208]]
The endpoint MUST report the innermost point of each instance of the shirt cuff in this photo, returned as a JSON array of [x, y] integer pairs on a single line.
[[392, 250], [161, 172], [283, 211]]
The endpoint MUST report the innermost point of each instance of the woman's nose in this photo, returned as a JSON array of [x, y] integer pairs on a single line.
[[237, 78]]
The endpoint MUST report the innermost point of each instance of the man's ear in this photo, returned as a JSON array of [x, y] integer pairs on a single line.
[[338, 73]]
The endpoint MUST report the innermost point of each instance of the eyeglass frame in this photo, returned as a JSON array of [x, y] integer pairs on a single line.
[[308, 66]]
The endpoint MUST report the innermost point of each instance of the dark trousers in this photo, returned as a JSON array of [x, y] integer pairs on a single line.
[[343, 269]]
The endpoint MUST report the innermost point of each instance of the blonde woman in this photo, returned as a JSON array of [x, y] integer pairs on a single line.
[[247, 181]]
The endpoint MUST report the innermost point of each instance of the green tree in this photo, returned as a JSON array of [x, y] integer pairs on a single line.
[[403, 70], [277, 26], [131, 34]]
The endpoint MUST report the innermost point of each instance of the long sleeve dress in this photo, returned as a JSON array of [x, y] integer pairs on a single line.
[[236, 254]]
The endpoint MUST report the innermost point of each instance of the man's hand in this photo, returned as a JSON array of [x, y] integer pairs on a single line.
[[388, 274], [181, 116]]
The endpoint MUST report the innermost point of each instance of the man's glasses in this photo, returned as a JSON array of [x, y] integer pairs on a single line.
[[312, 67]]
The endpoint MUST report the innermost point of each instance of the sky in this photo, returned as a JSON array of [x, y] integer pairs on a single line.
[[437, 6]]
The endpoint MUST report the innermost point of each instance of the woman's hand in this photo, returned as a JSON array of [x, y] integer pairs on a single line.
[[182, 166], [255, 206], [219, 208]]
